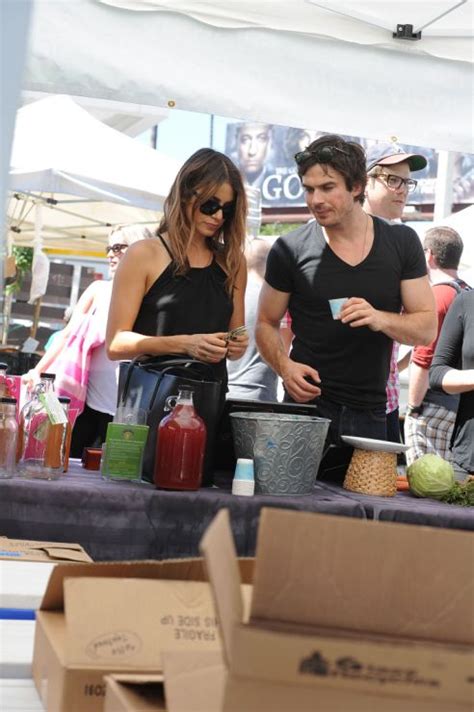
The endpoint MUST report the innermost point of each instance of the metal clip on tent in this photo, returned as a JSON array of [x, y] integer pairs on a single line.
[[405, 32]]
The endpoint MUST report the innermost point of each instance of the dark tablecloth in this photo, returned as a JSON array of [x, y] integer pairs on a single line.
[[406, 508], [130, 521]]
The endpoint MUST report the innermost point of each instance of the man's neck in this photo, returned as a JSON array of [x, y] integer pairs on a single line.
[[438, 275], [350, 227], [378, 214]]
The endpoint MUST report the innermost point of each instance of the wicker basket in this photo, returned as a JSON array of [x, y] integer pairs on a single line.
[[372, 472]]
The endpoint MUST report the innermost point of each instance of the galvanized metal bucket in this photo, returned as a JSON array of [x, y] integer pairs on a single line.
[[286, 449]]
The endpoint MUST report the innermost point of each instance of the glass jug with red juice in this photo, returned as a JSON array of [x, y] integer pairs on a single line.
[[180, 445]]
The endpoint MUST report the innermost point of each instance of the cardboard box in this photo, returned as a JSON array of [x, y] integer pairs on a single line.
[[191, 683], [50, 551], [199, 683], [25, 567], [103, 618], [344, 607], [134, 693]]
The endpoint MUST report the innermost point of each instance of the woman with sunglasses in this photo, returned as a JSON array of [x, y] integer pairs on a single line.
[[91, 425], [183, 292]]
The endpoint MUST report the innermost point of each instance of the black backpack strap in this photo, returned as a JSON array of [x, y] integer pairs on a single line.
[[452, 283]]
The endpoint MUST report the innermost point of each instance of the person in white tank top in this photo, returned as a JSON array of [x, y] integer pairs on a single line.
[[91, 425]]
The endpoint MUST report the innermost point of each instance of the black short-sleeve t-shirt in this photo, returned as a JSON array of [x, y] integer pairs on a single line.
[[353, 363]]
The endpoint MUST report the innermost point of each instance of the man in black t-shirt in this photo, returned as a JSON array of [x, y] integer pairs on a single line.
[[342, 363]]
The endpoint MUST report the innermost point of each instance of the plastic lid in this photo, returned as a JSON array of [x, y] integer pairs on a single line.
[[8, 400], [50, 376]]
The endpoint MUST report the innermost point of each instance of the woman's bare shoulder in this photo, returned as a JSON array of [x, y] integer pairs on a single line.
[[146, 254], [145, 248]]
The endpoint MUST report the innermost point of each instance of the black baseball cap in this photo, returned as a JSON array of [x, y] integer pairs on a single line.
[[389, 154]]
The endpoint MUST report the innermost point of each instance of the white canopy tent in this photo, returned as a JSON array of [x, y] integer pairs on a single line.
[[463, 223], [332, 65], [85, 176]]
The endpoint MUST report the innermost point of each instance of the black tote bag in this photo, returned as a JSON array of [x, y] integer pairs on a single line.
[[148, 383]]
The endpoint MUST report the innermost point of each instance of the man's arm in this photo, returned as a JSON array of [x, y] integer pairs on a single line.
[[417, 324], [271, 308], [417, 384], [404, 361]]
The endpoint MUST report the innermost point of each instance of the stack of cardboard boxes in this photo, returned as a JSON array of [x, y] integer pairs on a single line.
[[104, 618], [344, 615]]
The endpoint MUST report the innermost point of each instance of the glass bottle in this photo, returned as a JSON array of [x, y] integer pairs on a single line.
[[42, 441], [65, 402], [45, 383], [8, 437], [180, 445]]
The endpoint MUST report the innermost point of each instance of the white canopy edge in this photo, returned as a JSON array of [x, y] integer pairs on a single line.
[[276, 76], [448, 33]]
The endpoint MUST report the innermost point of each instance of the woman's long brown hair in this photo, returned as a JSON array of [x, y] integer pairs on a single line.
[[203, 173]]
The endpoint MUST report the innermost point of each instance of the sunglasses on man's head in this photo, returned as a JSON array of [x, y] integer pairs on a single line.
[[323, 154], [117, 248], [212, 206]]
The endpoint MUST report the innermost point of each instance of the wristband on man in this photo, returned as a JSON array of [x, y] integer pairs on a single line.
[[414, 409]]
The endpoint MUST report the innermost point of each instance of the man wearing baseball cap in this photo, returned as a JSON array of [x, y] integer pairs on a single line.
[[389, 183], [389, 170]]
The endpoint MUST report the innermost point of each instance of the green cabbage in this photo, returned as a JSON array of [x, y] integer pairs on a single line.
[[430, 476]]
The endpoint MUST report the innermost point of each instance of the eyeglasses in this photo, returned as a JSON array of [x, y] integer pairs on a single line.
[[395, 182], [212, 206], [323, 154], [117, 248]]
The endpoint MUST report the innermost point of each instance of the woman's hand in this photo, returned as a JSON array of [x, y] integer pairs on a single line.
[[210, 348], [237, 347]]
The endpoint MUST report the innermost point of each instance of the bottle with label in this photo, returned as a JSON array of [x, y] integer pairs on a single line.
[[42, 432], [180, 445], [8, 437]]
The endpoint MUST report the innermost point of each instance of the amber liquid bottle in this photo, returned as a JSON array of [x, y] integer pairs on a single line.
[[42, 442], [180, 446]]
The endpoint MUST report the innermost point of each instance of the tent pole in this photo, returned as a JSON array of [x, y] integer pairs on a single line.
[[14, 18], [444, 186], [36, 317]]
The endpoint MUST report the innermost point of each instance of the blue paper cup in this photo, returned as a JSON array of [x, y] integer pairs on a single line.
[[336, 306], [244, 470]]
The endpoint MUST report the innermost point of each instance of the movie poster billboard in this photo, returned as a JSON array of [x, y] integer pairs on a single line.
[[265, 156]]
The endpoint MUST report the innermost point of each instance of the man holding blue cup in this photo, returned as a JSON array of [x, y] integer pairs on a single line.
[[342, 364]]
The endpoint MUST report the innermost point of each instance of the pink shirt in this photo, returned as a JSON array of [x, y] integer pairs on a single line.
[[393, 383]]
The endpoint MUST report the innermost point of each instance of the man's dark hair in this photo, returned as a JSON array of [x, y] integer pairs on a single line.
[[446, 246], [347, 158]]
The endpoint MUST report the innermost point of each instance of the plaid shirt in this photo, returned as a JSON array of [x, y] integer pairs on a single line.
[[393, 383]]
